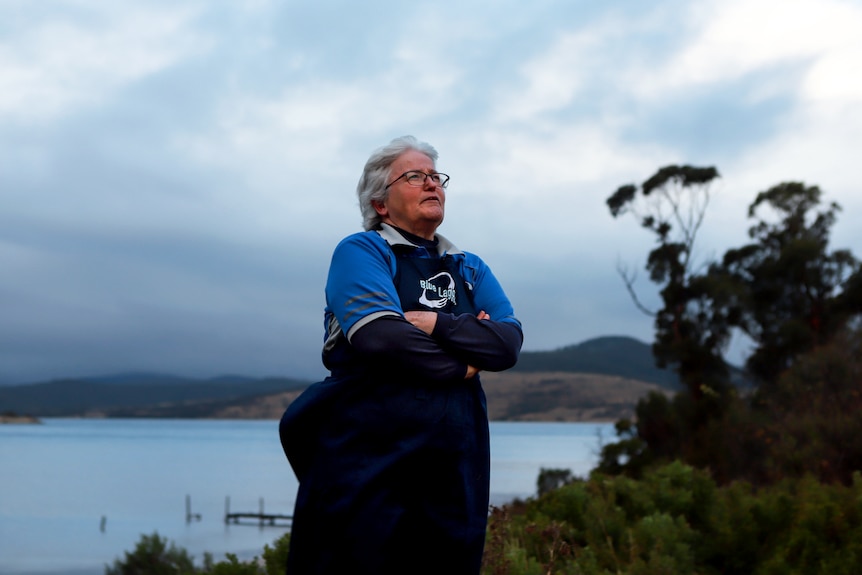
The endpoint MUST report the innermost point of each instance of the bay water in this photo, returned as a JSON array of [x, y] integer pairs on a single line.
[[75, 494]]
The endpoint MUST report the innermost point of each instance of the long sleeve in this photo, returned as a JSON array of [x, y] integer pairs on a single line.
[[490, 345], [486, 344], [394, 341]]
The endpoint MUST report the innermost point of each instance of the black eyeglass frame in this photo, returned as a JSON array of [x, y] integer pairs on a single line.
[[444, 178]]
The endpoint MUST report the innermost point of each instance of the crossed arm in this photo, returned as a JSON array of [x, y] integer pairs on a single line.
[[427, 320], [439, 345], [427, 344]]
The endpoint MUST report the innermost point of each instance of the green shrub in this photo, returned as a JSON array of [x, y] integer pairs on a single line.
[[233, 566], [678, 520], [153, 556], [275, 557], [550, 479]]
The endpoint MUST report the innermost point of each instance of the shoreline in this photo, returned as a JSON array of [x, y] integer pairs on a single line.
[[12, 419]]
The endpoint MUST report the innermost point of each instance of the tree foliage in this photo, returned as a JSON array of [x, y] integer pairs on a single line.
[[691, 332], [812, 421], [789, 294], [692, 328], [789, 280]]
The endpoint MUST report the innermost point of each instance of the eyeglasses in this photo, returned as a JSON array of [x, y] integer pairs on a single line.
[[417, 179]]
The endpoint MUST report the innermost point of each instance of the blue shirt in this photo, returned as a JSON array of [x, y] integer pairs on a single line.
[[360, 287]]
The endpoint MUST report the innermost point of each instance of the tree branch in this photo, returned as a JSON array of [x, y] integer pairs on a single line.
[[629, 281]]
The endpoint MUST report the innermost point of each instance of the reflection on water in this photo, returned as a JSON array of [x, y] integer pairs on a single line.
[[60, 480]]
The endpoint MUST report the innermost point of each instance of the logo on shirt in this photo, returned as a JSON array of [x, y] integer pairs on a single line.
[[437, 291]]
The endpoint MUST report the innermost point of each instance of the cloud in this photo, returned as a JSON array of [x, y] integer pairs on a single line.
[[551, 80], [739, 37], [52, 65], [176, 177]]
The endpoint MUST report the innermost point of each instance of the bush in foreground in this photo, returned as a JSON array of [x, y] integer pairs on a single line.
[[154, 556], [678, 520]]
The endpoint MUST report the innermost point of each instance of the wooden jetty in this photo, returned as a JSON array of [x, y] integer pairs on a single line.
[[261, 518]]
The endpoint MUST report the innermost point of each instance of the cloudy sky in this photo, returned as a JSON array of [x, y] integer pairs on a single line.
[[175, 175]]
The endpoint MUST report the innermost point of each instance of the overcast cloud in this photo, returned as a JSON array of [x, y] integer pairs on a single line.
[[174, 176]]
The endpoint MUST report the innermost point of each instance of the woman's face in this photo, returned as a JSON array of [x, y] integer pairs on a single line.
[[419, 210]]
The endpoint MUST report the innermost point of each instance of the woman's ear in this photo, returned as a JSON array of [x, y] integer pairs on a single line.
[[380, 208]]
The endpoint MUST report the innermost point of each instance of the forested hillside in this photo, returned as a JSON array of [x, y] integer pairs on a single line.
[[610, 355]]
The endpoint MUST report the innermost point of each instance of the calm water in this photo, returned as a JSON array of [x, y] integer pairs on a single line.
[[58, 480]]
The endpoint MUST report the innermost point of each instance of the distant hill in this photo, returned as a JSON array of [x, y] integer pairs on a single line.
[[123, 395], [512, 396], [611, 355], [598, 379], [562, 396]]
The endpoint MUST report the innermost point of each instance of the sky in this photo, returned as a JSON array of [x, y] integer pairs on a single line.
[[175, 175]]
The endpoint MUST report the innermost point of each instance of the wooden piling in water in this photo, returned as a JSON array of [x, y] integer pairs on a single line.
[[189, 515]]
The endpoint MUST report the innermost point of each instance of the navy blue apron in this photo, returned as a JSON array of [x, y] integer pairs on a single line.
[[393, 472]]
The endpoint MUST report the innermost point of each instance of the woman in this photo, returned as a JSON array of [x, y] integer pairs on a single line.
[[391, 450]]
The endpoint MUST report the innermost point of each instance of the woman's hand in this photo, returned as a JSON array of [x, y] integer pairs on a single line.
[[472, 371], [424, 320]]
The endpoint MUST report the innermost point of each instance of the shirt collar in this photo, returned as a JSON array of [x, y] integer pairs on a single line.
[[393, 238]]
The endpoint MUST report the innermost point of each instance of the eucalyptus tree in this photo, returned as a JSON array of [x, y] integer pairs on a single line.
[[792, 293], [692, 327], [691, 331], [785, 288]]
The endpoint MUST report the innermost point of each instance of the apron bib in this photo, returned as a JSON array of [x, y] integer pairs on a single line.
[[432, 284]]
